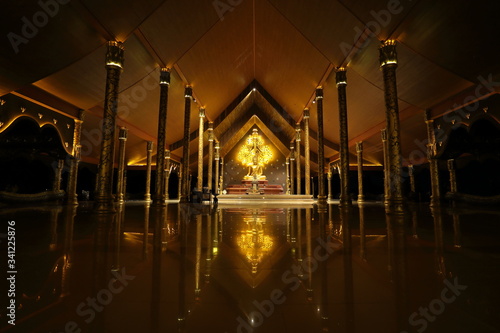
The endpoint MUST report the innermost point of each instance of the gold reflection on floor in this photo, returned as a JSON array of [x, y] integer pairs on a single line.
[[200, 268]]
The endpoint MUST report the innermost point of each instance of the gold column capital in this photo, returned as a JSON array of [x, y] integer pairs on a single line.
[[387, 53], [451, 164], [340, 76], [123, 133], [188, 92], [165, 76], [306, 113], [359, 146], [149, 145], [319, 92], [297, 131], [210, 131], [114, 54], [383, 132], [201, 113], [217, 151]]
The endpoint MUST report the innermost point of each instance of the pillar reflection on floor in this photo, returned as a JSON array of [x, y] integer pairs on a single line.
[[309, 289], [183, 218], [345, 212], [323, 272], [117, 236], [69, 222], [362, 235], [439, 242], [103, 252], [159, 216], [145, 230], [396, 239]]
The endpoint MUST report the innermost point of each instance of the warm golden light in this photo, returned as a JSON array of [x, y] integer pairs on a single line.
[[254, 155], [253, 242]]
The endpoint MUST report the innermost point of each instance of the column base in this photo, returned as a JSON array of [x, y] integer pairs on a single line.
[[394, 207], [345, 202], [120, 199], [322, 200], [105, 206], [147, 197], [72, 201], [434, 202], [361, 198], [159, 202]]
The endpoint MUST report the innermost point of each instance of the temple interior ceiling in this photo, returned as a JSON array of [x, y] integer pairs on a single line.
[[53, 53]]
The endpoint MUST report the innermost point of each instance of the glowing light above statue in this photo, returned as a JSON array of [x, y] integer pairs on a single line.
[[254, 155]]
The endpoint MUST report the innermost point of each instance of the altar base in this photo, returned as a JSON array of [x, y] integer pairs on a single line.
[[260, 199]]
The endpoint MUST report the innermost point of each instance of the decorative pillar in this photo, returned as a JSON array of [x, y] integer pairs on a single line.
[[307, 153], [210, 154], [287, 175], [124, 190], [180, 182], [217, 165], [341, 80], [292, 159], [221, 181], [114, 65], [389, 63], [433, 162], [411, 173], [385, 149], [199, 185], [321, 148], [188, 95], [329, 178], [56, 185], [297, 140], [149, 151], [120, 186], [167, 171], [197, 269], [359, 151], [75, 160], [453, 176], [160, 196]]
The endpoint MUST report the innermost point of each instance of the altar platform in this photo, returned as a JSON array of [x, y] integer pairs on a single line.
[[260, 199], [246, 187]]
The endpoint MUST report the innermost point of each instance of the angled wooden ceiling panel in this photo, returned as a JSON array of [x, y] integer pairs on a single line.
[[77, 82], [328, 25], [84, 81], [181, 25], [382, 17], [420, 82], [131, 13], [282, 52], [457, 36], [220, 65], [56, 43]]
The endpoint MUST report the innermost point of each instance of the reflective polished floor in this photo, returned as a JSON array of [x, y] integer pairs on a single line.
[[255, 268]]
